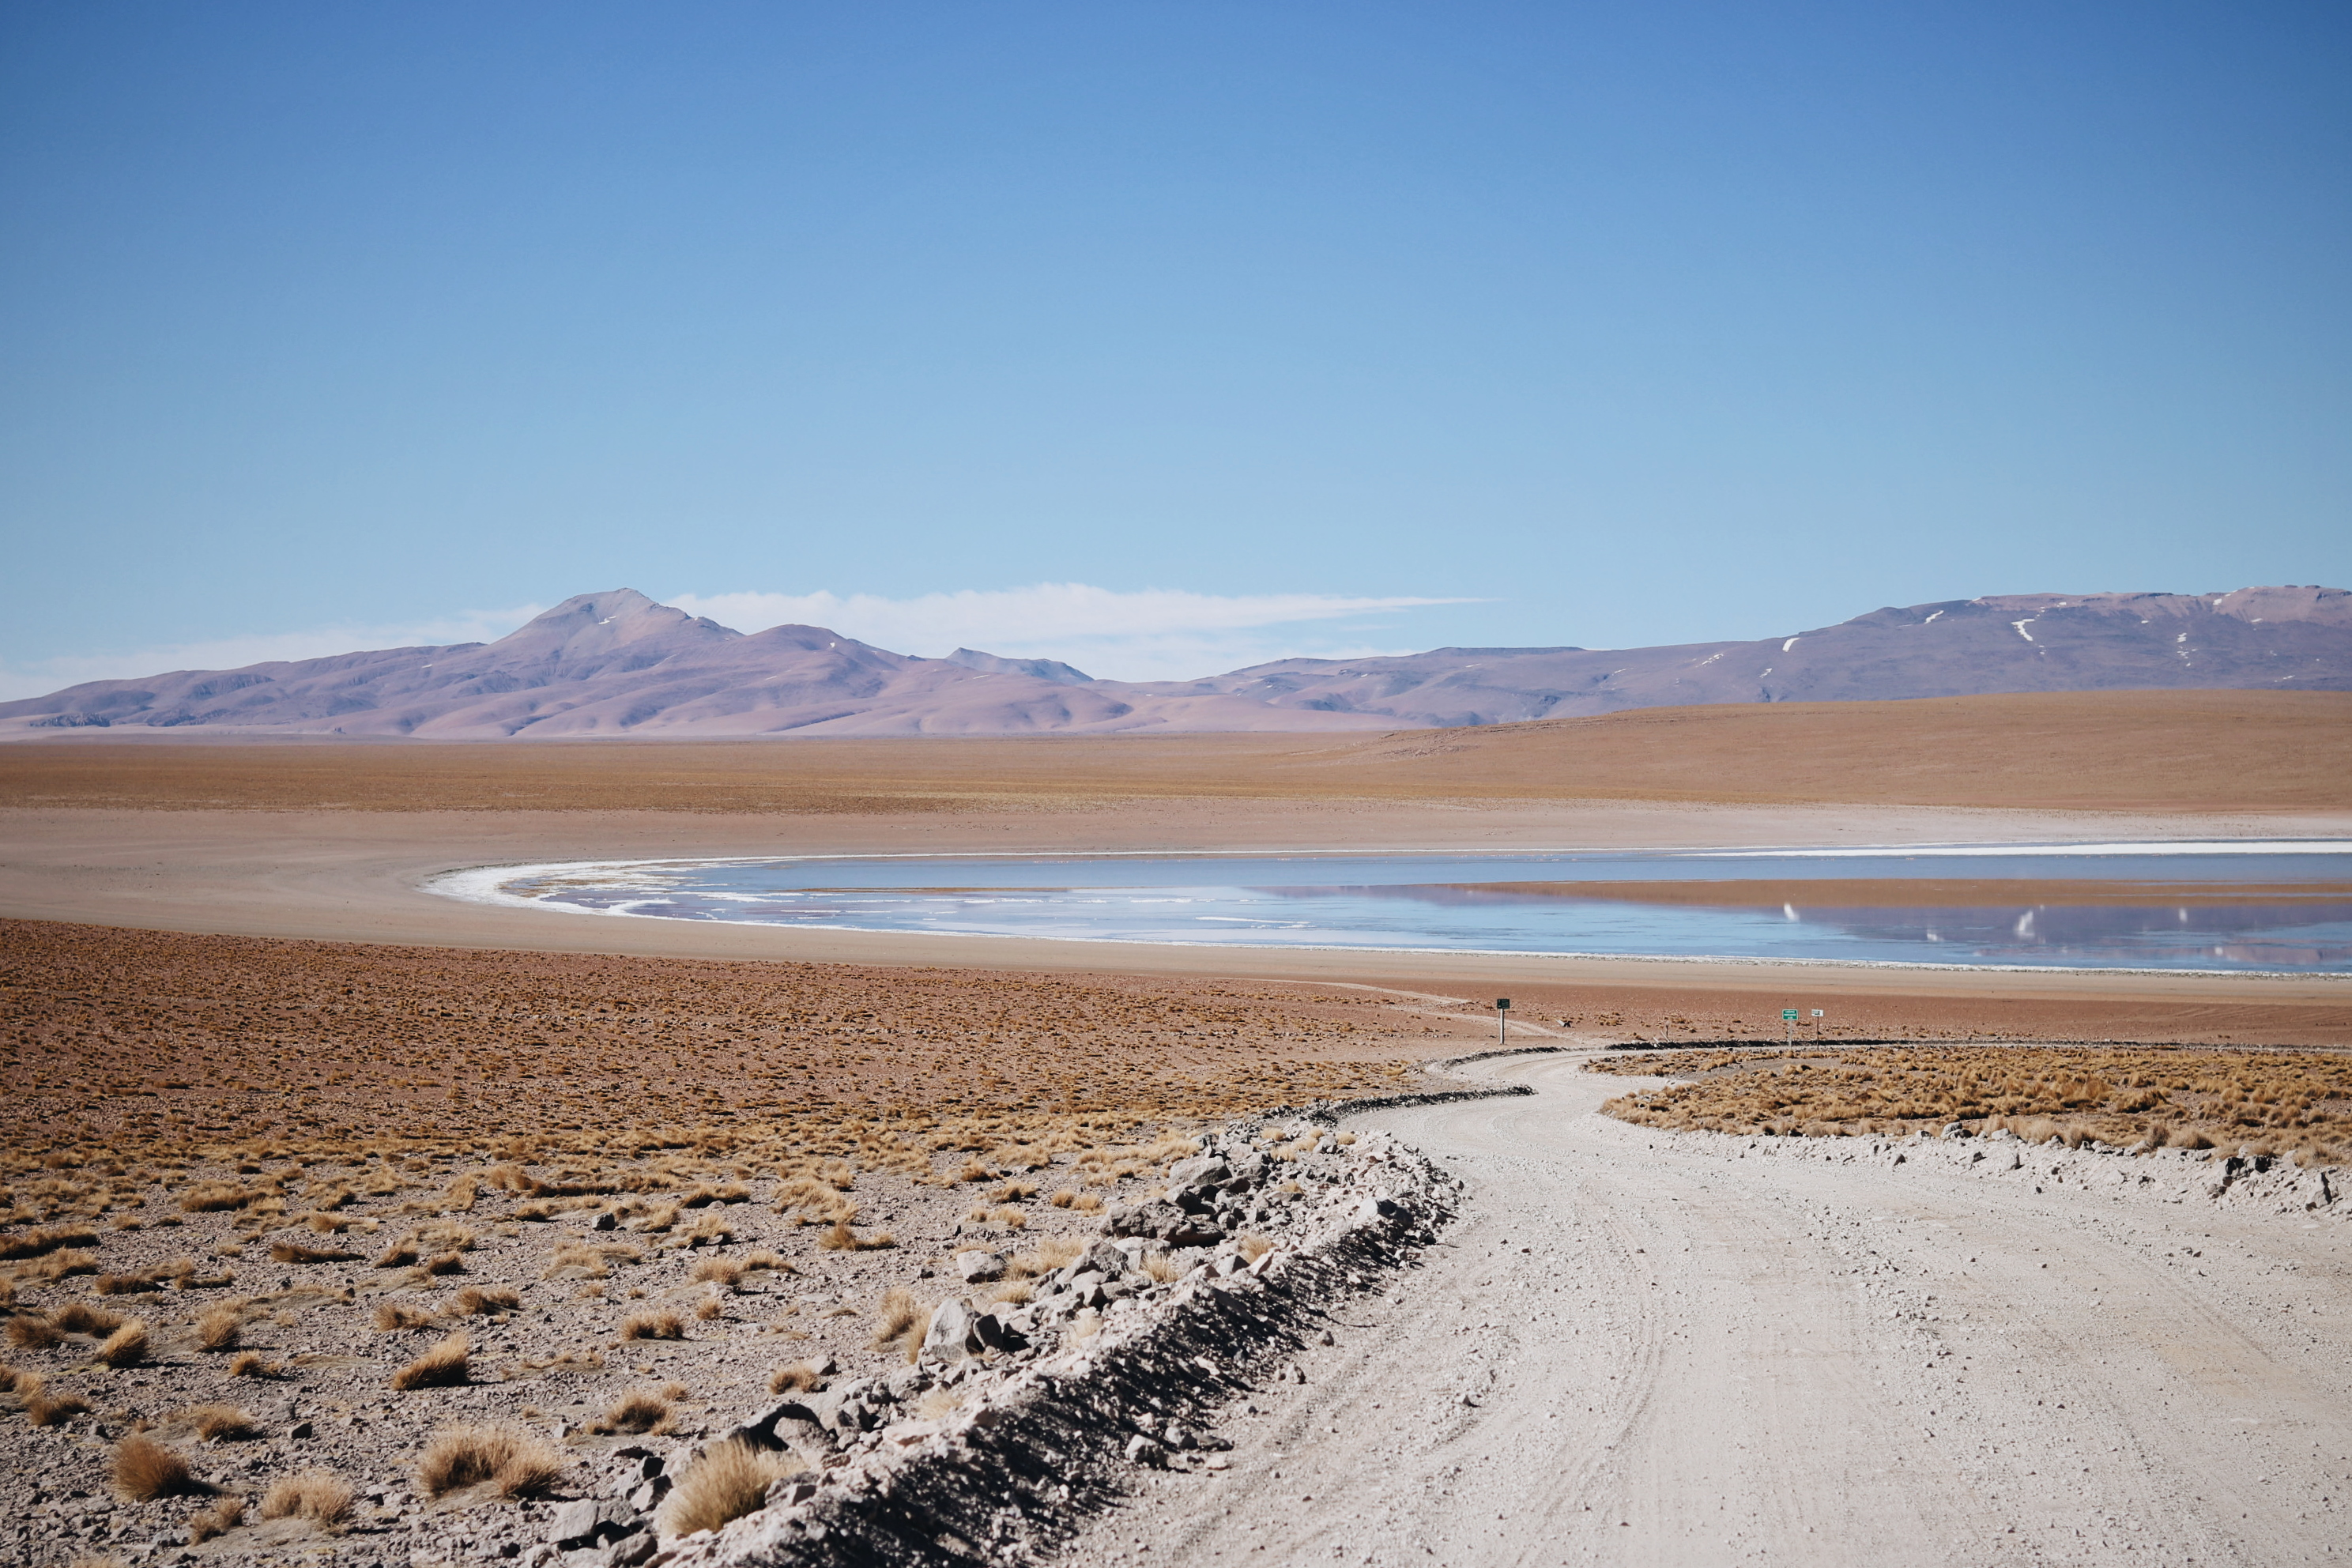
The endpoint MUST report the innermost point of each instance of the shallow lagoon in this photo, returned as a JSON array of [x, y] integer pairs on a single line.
[[2279, 907]]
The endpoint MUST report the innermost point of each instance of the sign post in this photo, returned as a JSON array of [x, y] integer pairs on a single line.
[[1789, 1026], [1503, 1017]]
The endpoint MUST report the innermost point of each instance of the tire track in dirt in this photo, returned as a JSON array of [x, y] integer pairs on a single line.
[[1652, 1348]]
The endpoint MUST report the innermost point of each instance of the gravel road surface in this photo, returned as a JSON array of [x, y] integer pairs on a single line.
[[1643, 1347]]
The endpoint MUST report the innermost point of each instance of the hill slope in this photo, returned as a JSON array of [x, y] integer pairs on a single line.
[[619, 664]]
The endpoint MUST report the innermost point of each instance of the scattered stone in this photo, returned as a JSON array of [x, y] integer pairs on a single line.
[[979, 1267]]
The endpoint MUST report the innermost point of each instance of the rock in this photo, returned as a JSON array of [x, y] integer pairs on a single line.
[[649, 1494], [978, 1267], [765, 1430], [591, 1522], [604, 1221], [1108, 1259], [951, 1337], [790, 1489], [301, 1431], [1200, 1171], [847, 1408], [1142, 1450], [632, 1549]]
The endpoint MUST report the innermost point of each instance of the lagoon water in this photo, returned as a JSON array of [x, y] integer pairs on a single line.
[[2284, 907]]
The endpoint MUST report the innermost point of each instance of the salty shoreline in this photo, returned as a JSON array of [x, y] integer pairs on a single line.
[[359, 877]]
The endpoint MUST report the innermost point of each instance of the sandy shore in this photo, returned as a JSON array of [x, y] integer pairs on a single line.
[[358, 875]]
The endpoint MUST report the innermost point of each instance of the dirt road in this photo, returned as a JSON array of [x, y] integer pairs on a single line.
[[1677, 1349]]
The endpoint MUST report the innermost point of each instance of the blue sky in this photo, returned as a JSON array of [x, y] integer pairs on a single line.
[[335, 325]]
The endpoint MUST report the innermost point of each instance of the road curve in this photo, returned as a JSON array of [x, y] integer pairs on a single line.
[[1649, 1348]]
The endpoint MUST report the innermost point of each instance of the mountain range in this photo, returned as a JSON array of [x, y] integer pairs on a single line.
[[618, 663]]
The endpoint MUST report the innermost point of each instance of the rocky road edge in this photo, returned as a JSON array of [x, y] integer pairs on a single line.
[[1047, 1424]]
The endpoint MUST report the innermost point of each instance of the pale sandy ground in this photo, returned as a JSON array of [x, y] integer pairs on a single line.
[[358, 875], [1686, 1349]]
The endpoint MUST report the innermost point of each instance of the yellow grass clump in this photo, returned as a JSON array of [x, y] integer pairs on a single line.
[[80, 1318], [145, 1469], [127, 1346], [445, 1366], [322, 1496], [214, 1422], [31, 1331], [800, 1378], [478, 1300], [225, 1515], [218, 1328], [520, 1464], [640, 1410], [662, 1325], [729, 1482], [41, 1408], [295, 1252]]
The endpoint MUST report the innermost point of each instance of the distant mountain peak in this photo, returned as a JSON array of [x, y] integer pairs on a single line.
[[617, 663], [1052, 670]]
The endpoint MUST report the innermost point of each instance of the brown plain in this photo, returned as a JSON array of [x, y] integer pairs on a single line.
[[2296, 1103], [2139, 751]]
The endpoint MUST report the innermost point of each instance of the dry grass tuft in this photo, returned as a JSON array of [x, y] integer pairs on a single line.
[[445, 1366], [145, 1469], [82, 1318], [801, 1377], [726, 1271], [518, 1462], [476, 1300], [225, 1515], [1051, 1253], [295, 1252], [838, 1237], [251, 1363], [641, 1410], [217, 1328], [31, 1331], [1254, 1247], [392, 1316], [127, 1346], [664, 1325], [42, 1409], [729, 1482], [214, 1422], [34, 1242], [1160, 1266], [399, 1255], [896, 1316], [322, 1496]]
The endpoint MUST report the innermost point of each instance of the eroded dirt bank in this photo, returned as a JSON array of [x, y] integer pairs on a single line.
[[1648, 1347]]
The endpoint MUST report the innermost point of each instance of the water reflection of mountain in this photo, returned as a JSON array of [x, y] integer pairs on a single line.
[[2295, 932], [2062, 930]]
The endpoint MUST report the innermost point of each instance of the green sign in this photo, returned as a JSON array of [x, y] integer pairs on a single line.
[[1789, 1013]]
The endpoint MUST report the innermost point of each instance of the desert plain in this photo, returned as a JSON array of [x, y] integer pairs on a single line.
[[264, 1081]]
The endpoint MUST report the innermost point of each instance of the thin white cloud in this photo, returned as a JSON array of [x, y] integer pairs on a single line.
[[1151, 634], [38, 677]]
